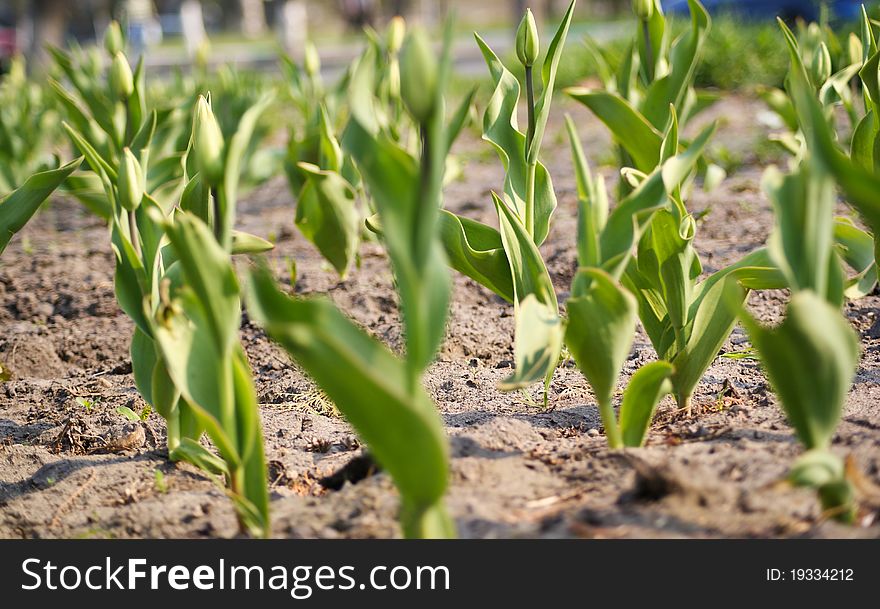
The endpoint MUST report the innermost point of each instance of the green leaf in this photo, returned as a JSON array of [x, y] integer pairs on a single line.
[[246, 243], [863, 142], [19, 206], [600, 331], [643, 393], [537, 353], [592, 202], [672, 88], [327, 216], [801, 244], [810, 360], [251, 492], [210, 277], [537, 343], [423, 281], [128, 413], [712, 316], [235, 152], [856, 247], [366, 382], [548, 76], [476, 250], [631, 130], [143, 360]]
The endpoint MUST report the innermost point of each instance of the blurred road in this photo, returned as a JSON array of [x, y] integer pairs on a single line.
[[337, 57]]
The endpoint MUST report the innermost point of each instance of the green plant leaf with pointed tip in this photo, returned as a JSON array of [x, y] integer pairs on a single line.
[[643, 393], [537, 344], [19, 206], [863, 142], [548, 77], [592, 203], [236, 149], [245, 243], [392, 176], [631, 130], [802, 243]]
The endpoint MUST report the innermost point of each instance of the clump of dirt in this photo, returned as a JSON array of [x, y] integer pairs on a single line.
[[72, 466]]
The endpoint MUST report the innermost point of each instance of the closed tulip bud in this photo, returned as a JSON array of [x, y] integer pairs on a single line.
[[644, 9], [527, 44], [208, 145], [114, 42], [856, 50], [312, 61], [396, 32], [821, 67], [121, 79], [418, 76], [132, 183]]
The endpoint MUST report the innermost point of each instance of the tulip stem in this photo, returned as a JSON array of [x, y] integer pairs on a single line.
[[649, 52], [609, 421], [530, 95], [218, 219], [133, 229], [531, 167]]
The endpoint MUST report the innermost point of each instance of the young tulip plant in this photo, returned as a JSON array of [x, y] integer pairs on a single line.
[[508, 261], [811, 358], [332, 201], [654, 81], [324, 181], [174, 278], [602, 313], [831, 91], [380, 394], [28, 126], [108, 107], [686, 319]]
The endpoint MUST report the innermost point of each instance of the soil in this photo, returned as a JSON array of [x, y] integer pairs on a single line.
[[72, 466]]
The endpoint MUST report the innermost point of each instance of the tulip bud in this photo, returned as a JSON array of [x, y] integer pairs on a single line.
[[821, 67], [121, 79], [856, 50], [132, 183], [418, 76], [208, 145], [312, 61], [114, 42], [527, 43], [644, 9], [396, 32]]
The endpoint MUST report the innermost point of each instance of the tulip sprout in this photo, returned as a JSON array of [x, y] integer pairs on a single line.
[[381, 395], [811, 358], [174, 278], [507, 261]]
